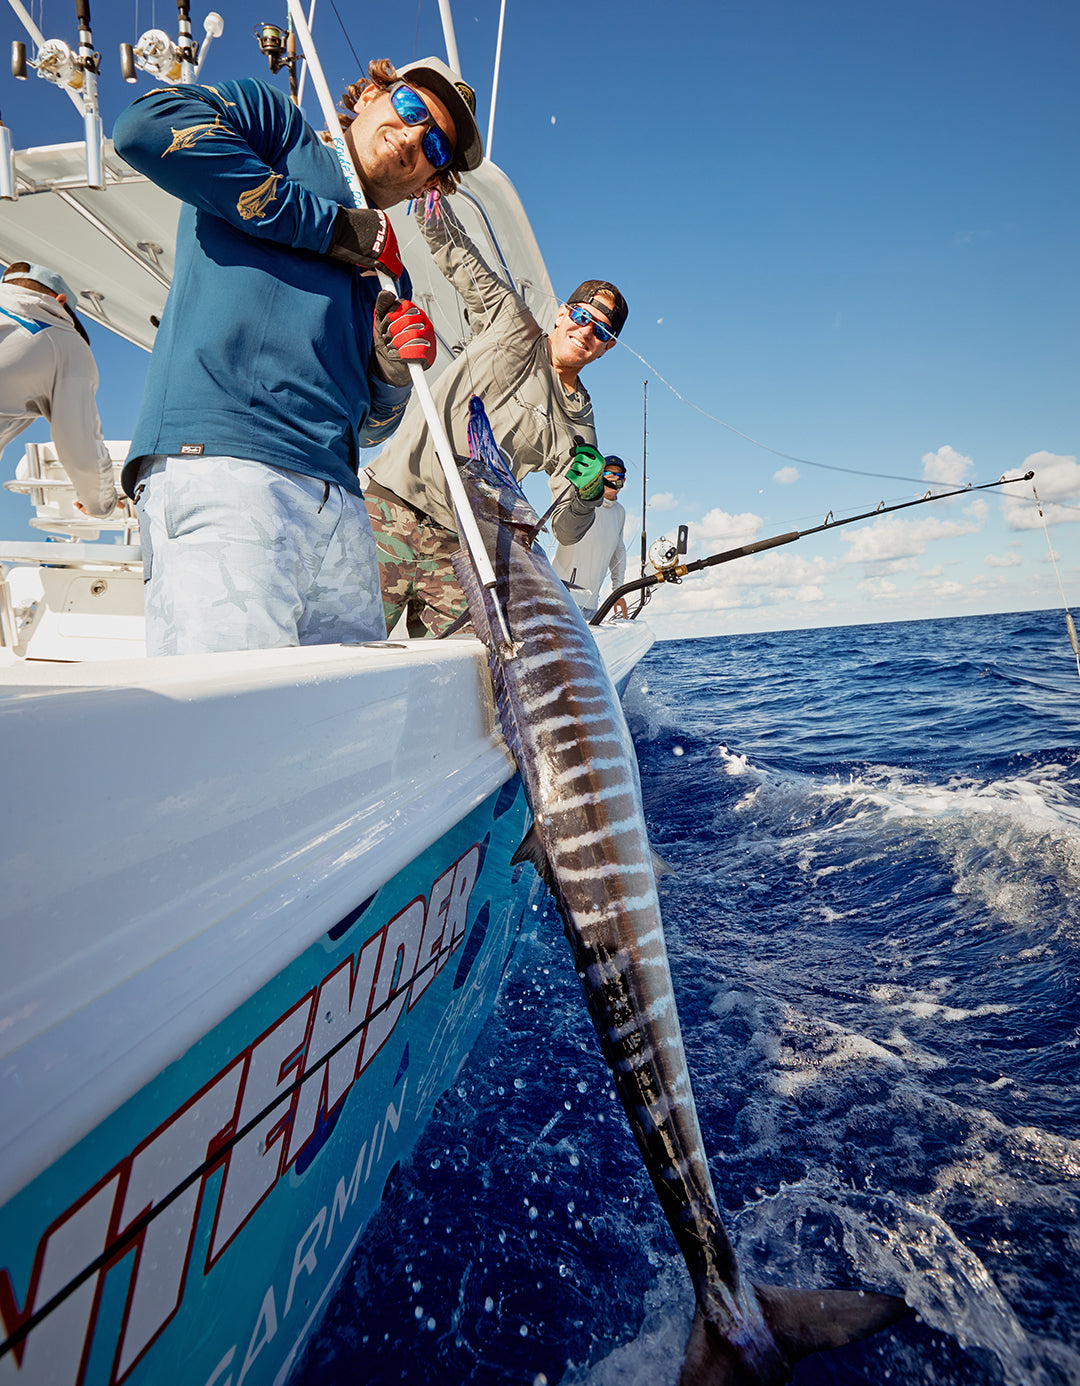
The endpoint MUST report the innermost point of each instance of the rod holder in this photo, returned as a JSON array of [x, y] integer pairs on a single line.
[[8, 190], [95, 149]]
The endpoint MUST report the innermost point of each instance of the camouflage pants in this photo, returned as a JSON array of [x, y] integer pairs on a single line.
[[415, 572]]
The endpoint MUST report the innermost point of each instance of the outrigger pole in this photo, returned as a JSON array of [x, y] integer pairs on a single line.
[[470, 533], [677, 571], [644, 488]]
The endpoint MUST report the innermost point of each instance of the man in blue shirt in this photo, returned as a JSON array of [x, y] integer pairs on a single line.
[[277, 357]]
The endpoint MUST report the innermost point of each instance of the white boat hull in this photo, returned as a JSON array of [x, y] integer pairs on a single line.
[[221, 1034]]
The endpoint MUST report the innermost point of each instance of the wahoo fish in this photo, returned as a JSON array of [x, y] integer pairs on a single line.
[[564, 725]]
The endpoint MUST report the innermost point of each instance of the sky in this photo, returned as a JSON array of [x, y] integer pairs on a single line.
[[847, 232]]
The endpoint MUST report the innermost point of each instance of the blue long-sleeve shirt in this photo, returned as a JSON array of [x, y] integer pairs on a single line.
[[264, 349]]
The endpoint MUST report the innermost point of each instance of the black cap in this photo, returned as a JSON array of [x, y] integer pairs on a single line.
[[459, 99], [594, 289]]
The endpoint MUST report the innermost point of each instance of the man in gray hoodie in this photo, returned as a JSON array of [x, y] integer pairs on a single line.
[[47, 371], [537, 406]]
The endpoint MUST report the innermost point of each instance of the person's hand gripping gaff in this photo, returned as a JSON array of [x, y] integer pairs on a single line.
[[586, 471]]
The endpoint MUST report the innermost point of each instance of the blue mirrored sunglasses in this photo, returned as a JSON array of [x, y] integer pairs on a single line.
[[584, 319], [438, 150], [614, 479]]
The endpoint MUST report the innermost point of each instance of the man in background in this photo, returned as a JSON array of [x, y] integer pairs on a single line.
[[47, 371], [602, 552]]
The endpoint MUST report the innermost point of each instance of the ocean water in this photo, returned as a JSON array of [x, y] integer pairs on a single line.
[[874, 934]]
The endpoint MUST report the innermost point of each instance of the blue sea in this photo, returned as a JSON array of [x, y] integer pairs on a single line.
[[874, 933]]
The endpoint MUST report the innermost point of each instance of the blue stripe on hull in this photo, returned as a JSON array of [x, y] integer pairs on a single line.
[[273, 1137]]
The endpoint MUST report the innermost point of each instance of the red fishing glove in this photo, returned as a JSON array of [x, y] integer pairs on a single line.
[[402, 334], [365, 238]]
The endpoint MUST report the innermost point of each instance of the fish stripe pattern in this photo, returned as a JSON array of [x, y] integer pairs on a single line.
[[564, 724]]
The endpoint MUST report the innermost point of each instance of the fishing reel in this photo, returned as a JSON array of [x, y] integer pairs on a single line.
[[166, 59], [155, 53], [56, 62], [664, 555], [278, 47], [275, 46]]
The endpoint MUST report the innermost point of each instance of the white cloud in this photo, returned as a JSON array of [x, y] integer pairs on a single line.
[[786, 476], [1057, 478], [764, 580], [878, 588], [947, 466], [663, 500], [890, 538], [718, 529], [1009, 560]]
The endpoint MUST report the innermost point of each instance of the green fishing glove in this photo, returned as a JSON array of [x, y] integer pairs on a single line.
[[586, 471]]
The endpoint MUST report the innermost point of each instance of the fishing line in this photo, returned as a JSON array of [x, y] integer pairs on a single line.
[[530, 410], [776, 452], [1070, 625], [348, 40]]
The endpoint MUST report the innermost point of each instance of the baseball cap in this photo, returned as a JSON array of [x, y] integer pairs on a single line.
[[47, 277], [594, 290], [459, 99]]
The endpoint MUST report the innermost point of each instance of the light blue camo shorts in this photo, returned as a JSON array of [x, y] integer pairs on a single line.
[[239, 555]]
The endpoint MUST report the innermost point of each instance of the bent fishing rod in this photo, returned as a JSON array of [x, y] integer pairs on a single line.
[[675, 572], [470, 533]]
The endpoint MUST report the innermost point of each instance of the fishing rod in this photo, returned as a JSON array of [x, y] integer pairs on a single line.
[[470, 533], [644, 493], [675, 572], [75, 72]]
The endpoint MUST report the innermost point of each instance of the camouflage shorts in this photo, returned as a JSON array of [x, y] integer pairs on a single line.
[[415, 572]]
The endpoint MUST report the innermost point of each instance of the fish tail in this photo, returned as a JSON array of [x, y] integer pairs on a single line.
[[800, 1321]]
